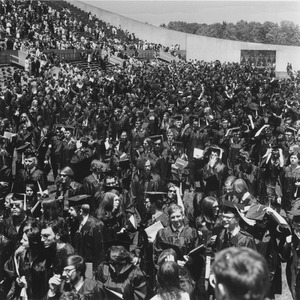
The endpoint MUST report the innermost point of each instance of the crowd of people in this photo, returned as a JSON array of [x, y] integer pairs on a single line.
[[149, 181]]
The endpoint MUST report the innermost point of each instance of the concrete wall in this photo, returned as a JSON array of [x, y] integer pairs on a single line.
[[210, 49], [197, 47]]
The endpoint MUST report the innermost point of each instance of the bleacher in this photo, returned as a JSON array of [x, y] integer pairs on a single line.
[[73, 56]]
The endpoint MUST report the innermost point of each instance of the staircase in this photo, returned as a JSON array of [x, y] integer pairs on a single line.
[[92, 67]]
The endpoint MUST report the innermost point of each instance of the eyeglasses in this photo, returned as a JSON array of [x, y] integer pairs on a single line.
[[68, 271], [227, 217], [17, 205], [63, 175]]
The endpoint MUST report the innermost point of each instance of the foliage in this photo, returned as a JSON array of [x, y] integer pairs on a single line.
[[285, 33]]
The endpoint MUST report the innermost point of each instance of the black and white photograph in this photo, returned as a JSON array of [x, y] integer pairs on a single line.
[[149, 150]]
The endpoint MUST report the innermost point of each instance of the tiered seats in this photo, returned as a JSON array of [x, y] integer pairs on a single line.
[[6, 73]]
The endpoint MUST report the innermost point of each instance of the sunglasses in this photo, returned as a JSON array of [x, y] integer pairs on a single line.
[[17, 205]]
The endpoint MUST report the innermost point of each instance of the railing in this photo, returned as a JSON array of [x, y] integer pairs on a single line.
[[5, 56], [17, 60], [115, 60], [167, 56]]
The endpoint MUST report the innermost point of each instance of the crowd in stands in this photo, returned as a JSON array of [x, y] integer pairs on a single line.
[[126, 181], [37, 26]]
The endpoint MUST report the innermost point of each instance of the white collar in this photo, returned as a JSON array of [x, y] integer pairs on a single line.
[[84, 220], [235, 231], [156, 215], [245, 196], [79, 284], [179, 229]]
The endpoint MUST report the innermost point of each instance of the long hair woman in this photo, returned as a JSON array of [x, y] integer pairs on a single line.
[[119, 274], [50, 212], [111, 213], [168, 282]]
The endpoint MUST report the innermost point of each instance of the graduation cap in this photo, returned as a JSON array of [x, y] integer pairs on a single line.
[[217, 149], [174, 181], [124, 162], [176, 147], [69, 128], [30, 152], [79, 200], [232, 206], [291, 130], [19, 197], [178, 117], [118, 242], [256, 212], [58, 126], [34, 183], [193, 118], [23, 147], [155, 138], [244, 154], [153, 196]]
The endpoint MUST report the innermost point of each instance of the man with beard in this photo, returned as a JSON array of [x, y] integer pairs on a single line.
[[73, 282], [88, 240], [145, 181], [125, 145], [56, 252]]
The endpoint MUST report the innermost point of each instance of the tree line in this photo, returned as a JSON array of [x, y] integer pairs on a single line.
[[285, 33]]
